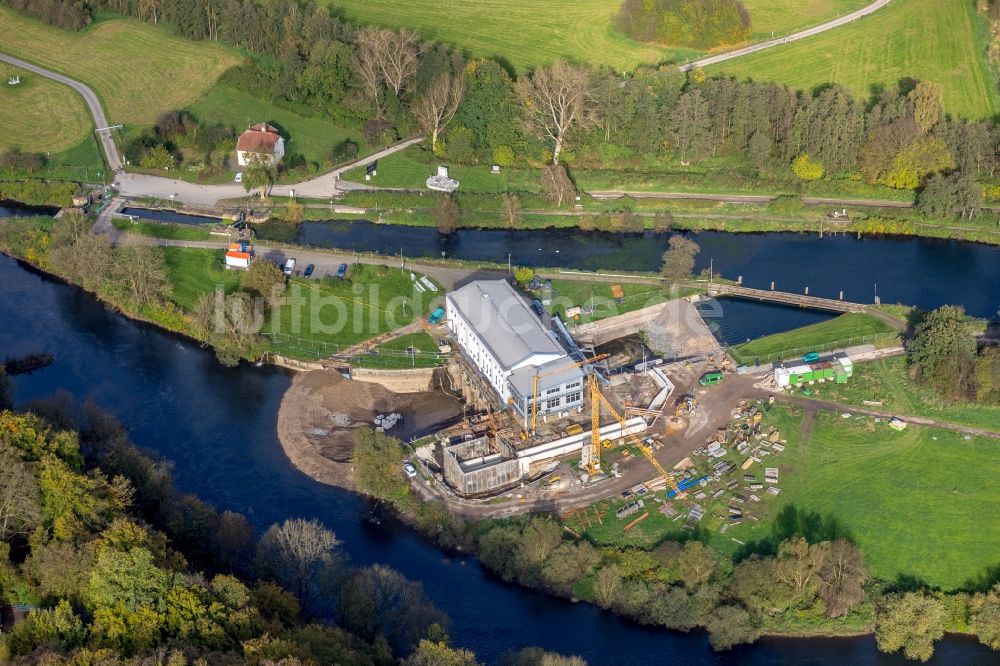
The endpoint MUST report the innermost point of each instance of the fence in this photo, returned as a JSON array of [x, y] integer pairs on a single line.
[[875, 339]]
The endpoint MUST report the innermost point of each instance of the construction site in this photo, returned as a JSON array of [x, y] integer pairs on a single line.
[[553, 411]]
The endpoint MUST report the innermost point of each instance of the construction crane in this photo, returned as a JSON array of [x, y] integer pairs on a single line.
[[596, 400], [534, 392]]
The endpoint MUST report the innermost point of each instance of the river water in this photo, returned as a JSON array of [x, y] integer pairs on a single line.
[[218, 427]]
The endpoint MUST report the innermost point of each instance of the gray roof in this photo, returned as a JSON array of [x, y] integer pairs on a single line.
[[503, 321], [550, 375]]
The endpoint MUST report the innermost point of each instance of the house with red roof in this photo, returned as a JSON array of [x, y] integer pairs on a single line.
[[260, 138]]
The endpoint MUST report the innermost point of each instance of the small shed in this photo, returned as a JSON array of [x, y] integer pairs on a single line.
[[239, 255]]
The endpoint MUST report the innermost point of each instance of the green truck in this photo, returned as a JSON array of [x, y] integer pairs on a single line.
[[711, 378]]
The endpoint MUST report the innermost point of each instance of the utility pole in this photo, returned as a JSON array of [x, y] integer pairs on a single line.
[[508, 263], [711, 269]]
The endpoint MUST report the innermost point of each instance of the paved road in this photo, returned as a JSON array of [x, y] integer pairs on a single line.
[[93, 103], [794, 37]]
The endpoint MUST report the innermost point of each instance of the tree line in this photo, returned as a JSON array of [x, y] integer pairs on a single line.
[[120, 567], [391, 84], [700, 24]]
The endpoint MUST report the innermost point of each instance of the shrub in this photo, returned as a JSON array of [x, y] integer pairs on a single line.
[[806, 168]]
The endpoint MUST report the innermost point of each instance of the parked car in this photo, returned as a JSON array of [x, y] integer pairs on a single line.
[[239, 177], [536, 306], [308, 271], [342, 270], [410, 470], [289, 267], [811, 357]]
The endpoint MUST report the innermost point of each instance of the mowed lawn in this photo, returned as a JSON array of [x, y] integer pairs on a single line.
[[922, 502], [138, 70], [40, 115], [847, 330], [931, 40], [312, 138], [787, 16], [530, 34], [193, 273]]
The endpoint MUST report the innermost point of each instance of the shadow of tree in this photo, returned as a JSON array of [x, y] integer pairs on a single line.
[[986, 580], [792, 521]]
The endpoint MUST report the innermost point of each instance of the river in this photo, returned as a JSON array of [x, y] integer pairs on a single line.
[[217, 426]]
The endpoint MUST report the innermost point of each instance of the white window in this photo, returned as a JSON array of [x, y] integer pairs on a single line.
[[553, 403], [573, 397], [572, 386]]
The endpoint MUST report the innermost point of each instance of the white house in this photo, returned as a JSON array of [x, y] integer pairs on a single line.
[[261, 138], [509, 346]]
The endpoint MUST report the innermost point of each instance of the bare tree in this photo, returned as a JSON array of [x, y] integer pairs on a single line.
[[231, 324], [511, 210], [556, 184], [19, 497], [298, 553], [87, 261], [437, 106], [140, 271], [842, 577], [386, 57], [555, 100]]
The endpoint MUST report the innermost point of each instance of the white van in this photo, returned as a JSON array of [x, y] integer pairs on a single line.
[[239, 177], [289, 267]]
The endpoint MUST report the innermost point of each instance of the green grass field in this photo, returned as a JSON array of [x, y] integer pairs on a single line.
[[323, 317], [40, 115], [847, 330], [931, 40], [887, 381], [410, 168], [138, 70], [395, 353], [598, 296], [311, 137], [920, 502], [195, 273], [157, 230], [531, 34]]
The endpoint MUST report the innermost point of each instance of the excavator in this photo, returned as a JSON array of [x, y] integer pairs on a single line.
[[594, 467]]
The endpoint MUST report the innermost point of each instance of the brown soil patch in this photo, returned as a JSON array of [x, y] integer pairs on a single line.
[[321, 411]]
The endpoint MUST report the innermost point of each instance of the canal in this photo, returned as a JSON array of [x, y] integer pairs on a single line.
[[218, 426]]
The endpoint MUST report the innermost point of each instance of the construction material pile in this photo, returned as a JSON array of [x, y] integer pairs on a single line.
[[384, 422]]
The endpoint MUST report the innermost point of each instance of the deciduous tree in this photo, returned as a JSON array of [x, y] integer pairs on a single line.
[[556, 99], [556, 184], [446, 214], [942, 352], [436, 107], [139, 271], [264, 280], [231, 324], [511, 210], [909, 622], [678, 260], [841, 577], [299, 554]]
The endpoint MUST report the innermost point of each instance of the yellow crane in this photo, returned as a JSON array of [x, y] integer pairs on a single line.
[[596, 400], [534, 392]]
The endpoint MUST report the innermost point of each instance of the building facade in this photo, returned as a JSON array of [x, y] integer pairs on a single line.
[[262, 139], [510, 348]]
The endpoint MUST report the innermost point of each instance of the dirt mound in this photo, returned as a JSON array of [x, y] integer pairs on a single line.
[[321, 411]]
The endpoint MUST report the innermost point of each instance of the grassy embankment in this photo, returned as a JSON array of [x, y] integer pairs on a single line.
[[598, 297], [887, 382], [930, 40], [918, 502], [158, 230], [847, 330], [48, 115]]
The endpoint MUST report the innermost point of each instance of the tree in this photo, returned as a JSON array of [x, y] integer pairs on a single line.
[[568, 564], [924, 155], [731, 625], [909, 622], [258, 173], [378, 465], [986, 377], [986, 617], [490, 110], [20, 512], [557, 185], [436, 107], [797, 564], [263, 279], [842, 577], [540, 537], [606, 583], [555, 100], [806, 168], [433, 653], [938, 198], [386, 58], [928, 106], [299, 554], [942, 353], [87, 260], [511, 210], [127, 580], [689, 125], [533, 656], [446, 215], [523, 274], [231, 324], [756, 585], [696, 564], [678, 260], [139, 271]]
